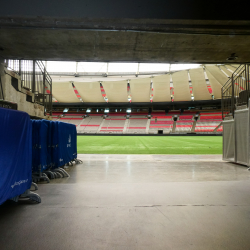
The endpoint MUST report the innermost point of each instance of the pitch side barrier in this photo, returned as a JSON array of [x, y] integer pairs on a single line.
[[15, 156], [54, 148], [31, 150]]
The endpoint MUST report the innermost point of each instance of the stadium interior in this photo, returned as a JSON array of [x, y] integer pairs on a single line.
[[124, 126]]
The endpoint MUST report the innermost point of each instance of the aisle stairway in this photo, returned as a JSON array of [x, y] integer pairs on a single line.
[[174, 127]]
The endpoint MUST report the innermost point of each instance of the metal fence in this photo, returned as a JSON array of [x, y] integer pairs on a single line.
[[1, 90], [236, 91], [35, 79]]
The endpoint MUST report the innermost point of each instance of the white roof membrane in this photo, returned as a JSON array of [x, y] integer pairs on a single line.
[[140, 90], [181, 86], [217, 74], [64, 92], [116, 91], [216, 86], [161, 86], [200, 90], [89, 91]]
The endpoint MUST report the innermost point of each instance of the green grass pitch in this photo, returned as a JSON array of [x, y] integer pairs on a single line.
[[149, 144]]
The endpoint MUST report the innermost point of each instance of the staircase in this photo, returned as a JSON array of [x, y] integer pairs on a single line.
[[147, 126], [193, 127], [174, 127], [125, 126], [100, 127], [215, 130]]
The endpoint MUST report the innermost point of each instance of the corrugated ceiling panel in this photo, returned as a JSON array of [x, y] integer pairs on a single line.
[[116, 91], [200, 89], [140, 90], [217, 74], [89, 91], [64, 92], [181, 86], [161, 85], [216, 86]]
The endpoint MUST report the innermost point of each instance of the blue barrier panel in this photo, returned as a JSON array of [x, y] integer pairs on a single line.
[[54, 141], [49, 156], [63, 143], [15, 153], [67, 134], [54, 144], [40, 130], [74, 142]]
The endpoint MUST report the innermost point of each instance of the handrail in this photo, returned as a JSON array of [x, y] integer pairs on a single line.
[[35, 78], [235, 92]]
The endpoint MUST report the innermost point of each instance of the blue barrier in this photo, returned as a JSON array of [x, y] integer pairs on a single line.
[[54, 145], [66, 143], [40, 131], [15, 153], [31, 146]]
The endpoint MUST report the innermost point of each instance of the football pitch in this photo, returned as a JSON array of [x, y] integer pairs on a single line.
[[149, 144]]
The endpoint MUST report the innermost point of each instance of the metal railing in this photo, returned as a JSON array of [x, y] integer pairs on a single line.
[[1, 90], [35, 79], [235, 92]]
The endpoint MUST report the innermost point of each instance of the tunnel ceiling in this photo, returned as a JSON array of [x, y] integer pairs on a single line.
[[129, 31]]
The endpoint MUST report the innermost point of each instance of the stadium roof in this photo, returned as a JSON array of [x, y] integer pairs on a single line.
[[133, 82]]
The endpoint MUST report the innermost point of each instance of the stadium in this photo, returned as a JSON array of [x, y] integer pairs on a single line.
[[124, 132]]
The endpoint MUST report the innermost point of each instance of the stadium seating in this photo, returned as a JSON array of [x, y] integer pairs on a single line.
[[137, 126], [117, 115], [163, 124], [186, 117], [207, 122], [90, 124], [71, 120], [156, 114], [189, 112], [176, 112], [138, 115], [138, 122], [220, 129], [113, 125], [183, 126]]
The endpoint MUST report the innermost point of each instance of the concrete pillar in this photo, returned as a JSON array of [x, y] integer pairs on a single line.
[[1, 67]]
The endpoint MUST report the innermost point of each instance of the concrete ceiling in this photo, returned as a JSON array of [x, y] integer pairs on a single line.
[[124, 40], [168, 31]]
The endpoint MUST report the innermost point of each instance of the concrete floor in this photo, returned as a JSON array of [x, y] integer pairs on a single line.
[[136, 202]]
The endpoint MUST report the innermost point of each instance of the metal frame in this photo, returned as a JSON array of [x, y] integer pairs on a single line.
[[238, 134], [1, 89], [35, 78], [235, 92]]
